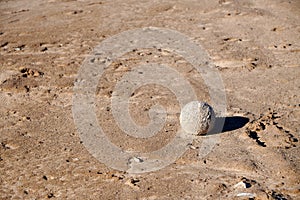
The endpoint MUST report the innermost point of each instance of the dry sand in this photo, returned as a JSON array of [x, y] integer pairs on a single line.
[[255, 45]]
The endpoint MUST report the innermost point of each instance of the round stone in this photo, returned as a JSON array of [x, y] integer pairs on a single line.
[[197, 117]]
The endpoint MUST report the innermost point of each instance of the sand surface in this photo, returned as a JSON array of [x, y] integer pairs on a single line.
[[254, 44]]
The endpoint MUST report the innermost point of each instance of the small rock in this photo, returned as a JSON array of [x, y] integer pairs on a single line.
[[244, 194], [133, 183], [240, 184]]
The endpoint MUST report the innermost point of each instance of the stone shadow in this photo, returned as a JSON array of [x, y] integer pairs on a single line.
[[230, 124]]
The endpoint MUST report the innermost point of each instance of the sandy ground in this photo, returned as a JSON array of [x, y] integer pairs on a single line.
[[255, 45]]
